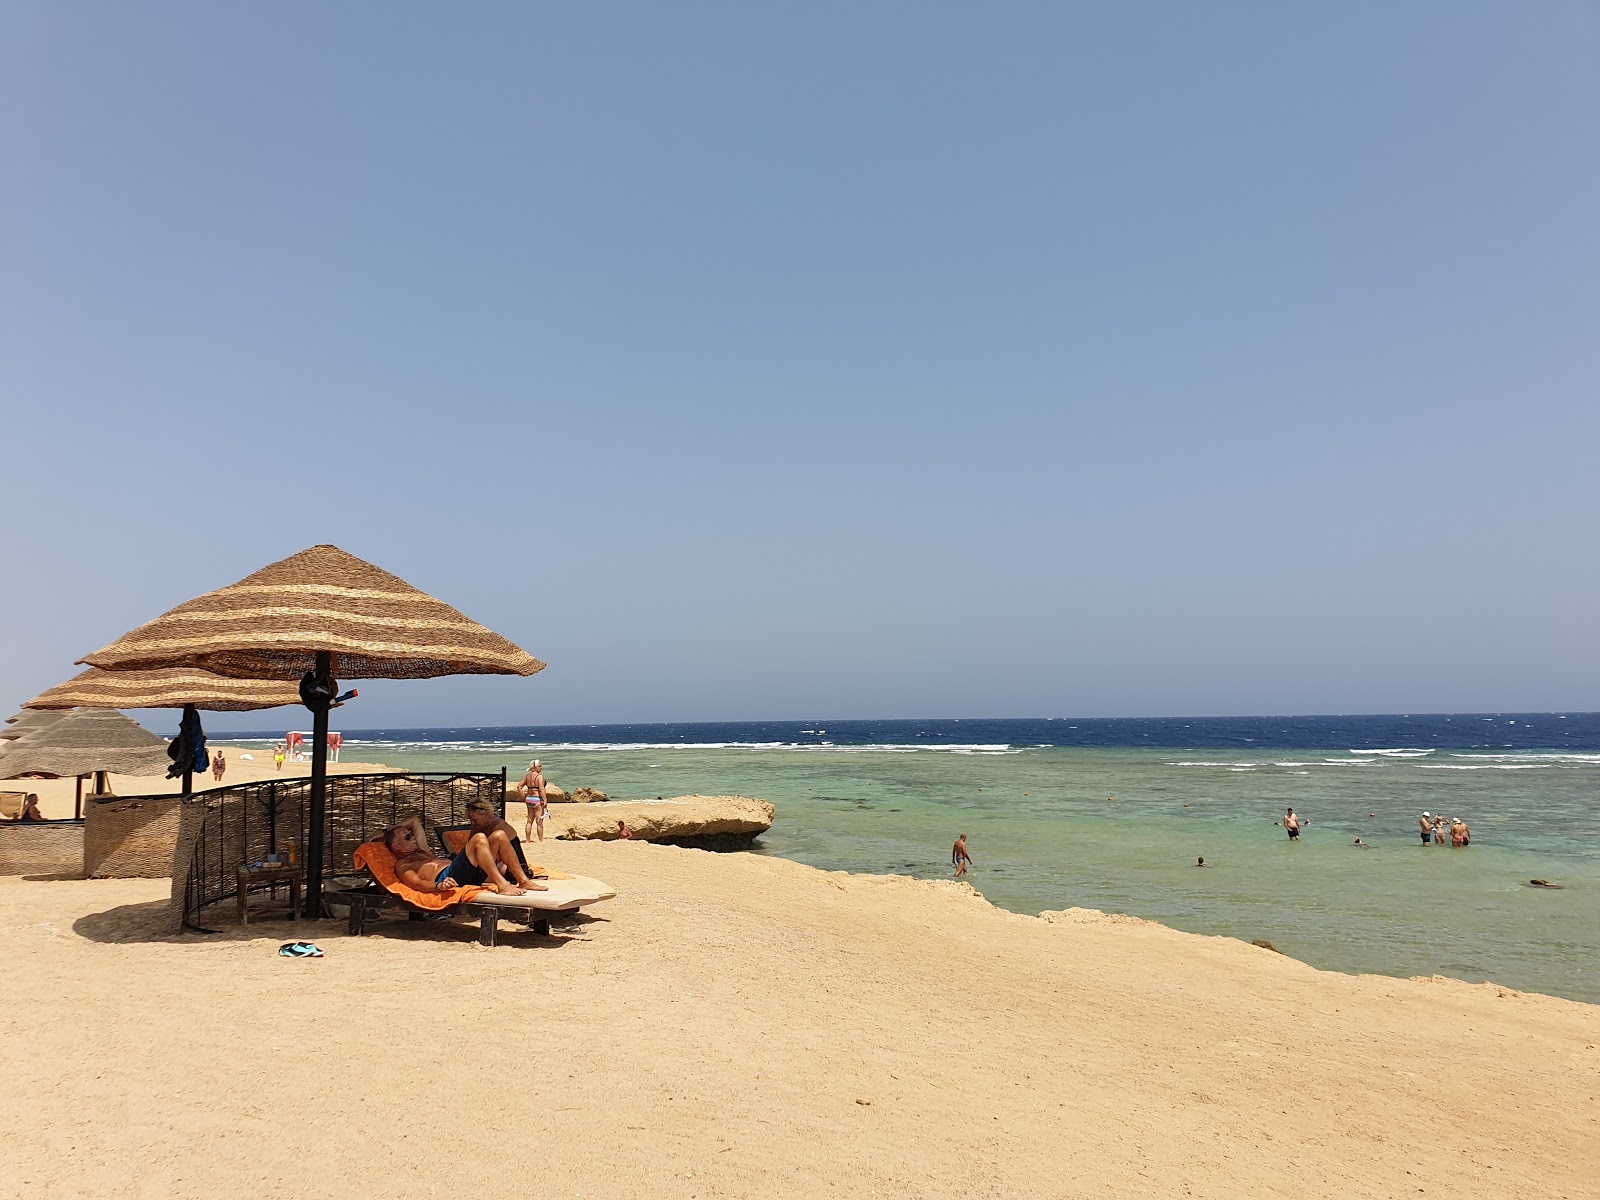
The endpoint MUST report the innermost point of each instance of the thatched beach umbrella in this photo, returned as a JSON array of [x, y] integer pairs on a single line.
[[27, 722], [89, 742], [167, 688], [317, 616]]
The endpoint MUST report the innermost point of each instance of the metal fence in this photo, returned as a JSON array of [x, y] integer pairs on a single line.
[[249, 821]]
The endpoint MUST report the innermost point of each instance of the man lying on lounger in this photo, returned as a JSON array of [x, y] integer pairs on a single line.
[[484, 861]]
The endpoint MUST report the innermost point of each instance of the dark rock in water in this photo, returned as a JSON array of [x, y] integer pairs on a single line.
[[1266, 945]]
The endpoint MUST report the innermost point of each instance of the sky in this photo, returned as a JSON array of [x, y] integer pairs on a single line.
[[867, 359]]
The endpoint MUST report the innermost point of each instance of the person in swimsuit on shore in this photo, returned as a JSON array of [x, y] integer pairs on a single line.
[[483, 862], [959, 858], [531, 789], [1291, 824], [623, 832]]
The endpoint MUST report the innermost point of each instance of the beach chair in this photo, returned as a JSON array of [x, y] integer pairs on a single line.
[[566, 894]]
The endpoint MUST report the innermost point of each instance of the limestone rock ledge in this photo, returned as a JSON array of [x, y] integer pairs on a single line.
[[708, 822]]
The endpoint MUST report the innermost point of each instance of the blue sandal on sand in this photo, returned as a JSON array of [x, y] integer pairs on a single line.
[[299, 950]]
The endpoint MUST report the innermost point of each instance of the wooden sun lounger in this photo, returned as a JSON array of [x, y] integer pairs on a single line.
[[534, 908]]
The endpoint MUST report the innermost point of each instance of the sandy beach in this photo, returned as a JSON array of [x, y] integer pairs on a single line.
[[736, 1025]]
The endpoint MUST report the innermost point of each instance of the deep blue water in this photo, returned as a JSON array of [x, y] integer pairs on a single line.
[[1452, 731]]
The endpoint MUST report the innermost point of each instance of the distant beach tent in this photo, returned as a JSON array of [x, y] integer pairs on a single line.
[[87, 742], [296, 739], [26, 722], [316, 617], [169, 688]]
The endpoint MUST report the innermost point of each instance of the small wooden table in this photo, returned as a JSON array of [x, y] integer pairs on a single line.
[[270, 876]]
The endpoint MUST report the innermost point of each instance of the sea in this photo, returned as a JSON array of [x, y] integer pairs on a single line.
[[1112, 814]]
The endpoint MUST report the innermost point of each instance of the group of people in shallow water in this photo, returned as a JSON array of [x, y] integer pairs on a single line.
[[1436, 830]]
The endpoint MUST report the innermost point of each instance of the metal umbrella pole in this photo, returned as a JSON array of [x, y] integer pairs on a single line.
[[318, 697]]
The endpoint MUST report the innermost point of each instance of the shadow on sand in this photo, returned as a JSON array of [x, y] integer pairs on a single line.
[[152, 922]]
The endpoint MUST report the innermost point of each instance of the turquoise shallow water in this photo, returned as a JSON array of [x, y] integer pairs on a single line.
[[1107, 828]]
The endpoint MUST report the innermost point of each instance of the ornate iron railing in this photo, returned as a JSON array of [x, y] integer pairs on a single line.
[[248, 821]]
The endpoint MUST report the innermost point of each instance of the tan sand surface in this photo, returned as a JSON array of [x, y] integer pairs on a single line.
[[734, 1025], [55, 795]]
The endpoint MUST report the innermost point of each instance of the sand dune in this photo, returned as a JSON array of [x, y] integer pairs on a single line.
[[734, 1025]]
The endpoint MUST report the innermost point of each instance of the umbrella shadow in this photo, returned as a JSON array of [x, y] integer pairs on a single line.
[[151, 922]]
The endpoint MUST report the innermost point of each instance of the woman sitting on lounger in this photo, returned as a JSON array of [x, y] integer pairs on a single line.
[[484, 861], [486, 819]]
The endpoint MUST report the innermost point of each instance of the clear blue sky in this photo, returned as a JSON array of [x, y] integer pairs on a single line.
[[823, 359]]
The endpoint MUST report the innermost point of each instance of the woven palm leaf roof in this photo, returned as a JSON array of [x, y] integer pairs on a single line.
[[271, 625], [171, 688], [92, 739], [27, 721]]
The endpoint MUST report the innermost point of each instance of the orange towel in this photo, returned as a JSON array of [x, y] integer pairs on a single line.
[[379, 859]]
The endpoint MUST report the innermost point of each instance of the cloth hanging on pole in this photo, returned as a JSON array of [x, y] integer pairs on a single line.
[[188, 749]]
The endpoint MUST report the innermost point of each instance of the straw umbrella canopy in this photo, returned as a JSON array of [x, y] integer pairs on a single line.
[[27, 722], [272, 625], [171, 688], [84, 742], [313, 617]]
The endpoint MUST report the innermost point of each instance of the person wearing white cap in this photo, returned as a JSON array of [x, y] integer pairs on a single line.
[[1427, 827]]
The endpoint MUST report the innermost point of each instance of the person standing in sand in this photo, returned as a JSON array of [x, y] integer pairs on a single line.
[[219, 765], [532, 791], [277, 756], [959, 858]]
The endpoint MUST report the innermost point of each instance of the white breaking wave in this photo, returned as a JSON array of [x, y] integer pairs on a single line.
[[599, 747], [1551, 757], [1230, 765], [1488, 766], [1399, 752]]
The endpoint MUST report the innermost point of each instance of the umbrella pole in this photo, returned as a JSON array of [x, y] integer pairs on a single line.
[[188, 762], [319, 790]]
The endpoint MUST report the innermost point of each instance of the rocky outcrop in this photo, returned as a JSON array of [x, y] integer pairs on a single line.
[[553, 794], [589, 795], [707, 822]]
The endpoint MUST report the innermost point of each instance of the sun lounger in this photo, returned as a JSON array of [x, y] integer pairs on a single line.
[[565, 894]]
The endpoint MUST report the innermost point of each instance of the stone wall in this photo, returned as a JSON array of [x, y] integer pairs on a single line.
[[41, 848], [130, 839]]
